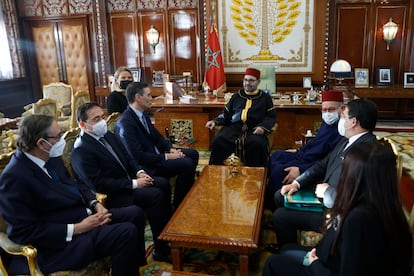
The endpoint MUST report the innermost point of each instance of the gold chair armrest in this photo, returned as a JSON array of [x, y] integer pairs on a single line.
[[101, 198], [28, 106], [28, 251]]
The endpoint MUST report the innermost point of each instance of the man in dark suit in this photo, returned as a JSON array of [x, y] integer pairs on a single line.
[[144, 143], [45, 207], [358, 120], [102, 162]]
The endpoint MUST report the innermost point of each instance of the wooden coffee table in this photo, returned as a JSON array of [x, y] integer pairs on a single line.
[[222, 212]]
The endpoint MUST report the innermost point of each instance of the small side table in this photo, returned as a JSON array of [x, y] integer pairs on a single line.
[[306, 138]]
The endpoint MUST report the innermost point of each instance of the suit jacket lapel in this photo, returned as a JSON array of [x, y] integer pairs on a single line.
[[41, 175], [134, 115]]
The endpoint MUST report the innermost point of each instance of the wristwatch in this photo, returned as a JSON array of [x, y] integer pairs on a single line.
[[93, 204]]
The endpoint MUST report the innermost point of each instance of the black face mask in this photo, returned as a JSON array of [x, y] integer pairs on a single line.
[[124, 83]]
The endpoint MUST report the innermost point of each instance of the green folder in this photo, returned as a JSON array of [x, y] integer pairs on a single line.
[[304, 200]]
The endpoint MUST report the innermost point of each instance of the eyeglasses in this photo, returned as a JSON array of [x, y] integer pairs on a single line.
[[249, 80]]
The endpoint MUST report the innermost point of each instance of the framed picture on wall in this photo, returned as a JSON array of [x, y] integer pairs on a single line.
[[409, 80], [385, 75], [157, 78], [136, 73], [361, 77], [307, 82]]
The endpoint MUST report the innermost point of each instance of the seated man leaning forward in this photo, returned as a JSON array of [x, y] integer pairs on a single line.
[[45, 207], [358, 119], [286, 165], [102, 162], [246, 118], [145, 144]]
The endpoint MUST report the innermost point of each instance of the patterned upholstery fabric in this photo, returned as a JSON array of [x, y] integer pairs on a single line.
[[62, 93], [46, 107], [111, 121]]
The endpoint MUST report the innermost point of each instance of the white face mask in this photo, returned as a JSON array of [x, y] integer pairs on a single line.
[[56, 150], [100, 128], [341, 127], [330, 117]]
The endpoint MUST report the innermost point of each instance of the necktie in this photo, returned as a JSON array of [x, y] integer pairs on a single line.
[[55, 177], [111, 150], [144, 122], [342, 150]]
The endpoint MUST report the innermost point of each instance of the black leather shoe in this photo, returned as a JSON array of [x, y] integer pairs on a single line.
[[272, 248], [161, 256]]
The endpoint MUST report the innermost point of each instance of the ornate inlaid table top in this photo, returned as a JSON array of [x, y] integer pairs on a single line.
[[221, 209]]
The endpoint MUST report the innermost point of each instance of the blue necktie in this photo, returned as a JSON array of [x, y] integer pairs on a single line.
[[55, 177], [144, 122]]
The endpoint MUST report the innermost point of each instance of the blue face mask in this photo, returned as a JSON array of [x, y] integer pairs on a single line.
[[330, 117]]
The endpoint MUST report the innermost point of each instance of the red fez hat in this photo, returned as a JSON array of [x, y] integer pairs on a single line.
[[335, 96], [253, 72]]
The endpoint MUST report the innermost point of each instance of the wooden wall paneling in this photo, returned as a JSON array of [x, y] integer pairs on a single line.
[[184, 43], [352, 35], [160, 60], [395, 55], [124, 40], [14, 94], [406, 108]]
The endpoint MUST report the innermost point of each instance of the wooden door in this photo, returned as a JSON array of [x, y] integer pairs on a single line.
[[60, 52]]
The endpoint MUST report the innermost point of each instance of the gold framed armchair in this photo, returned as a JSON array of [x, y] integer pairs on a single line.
[[111, 121], [46, 107], [79, 98], [62, 93]]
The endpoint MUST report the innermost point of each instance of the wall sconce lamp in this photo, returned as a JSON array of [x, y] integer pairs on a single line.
[[153, 37], [389, 31]]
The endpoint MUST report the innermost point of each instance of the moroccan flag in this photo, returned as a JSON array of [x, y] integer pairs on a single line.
[[214, 76]]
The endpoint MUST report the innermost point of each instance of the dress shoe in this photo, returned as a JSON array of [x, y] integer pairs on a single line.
[[272, 248], [160, 256]]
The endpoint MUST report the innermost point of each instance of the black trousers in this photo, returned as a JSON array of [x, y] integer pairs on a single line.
[[121, 241], [184, 169], [286, 222], [156, 201]]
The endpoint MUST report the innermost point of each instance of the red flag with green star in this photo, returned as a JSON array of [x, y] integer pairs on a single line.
[[214, 76]]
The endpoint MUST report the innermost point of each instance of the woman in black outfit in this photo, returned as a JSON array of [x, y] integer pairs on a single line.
[[116, 101], [366, 233]]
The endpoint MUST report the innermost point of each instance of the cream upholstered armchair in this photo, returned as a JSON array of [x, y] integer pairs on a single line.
[[62, 93], [46, 107], [79, 98]]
